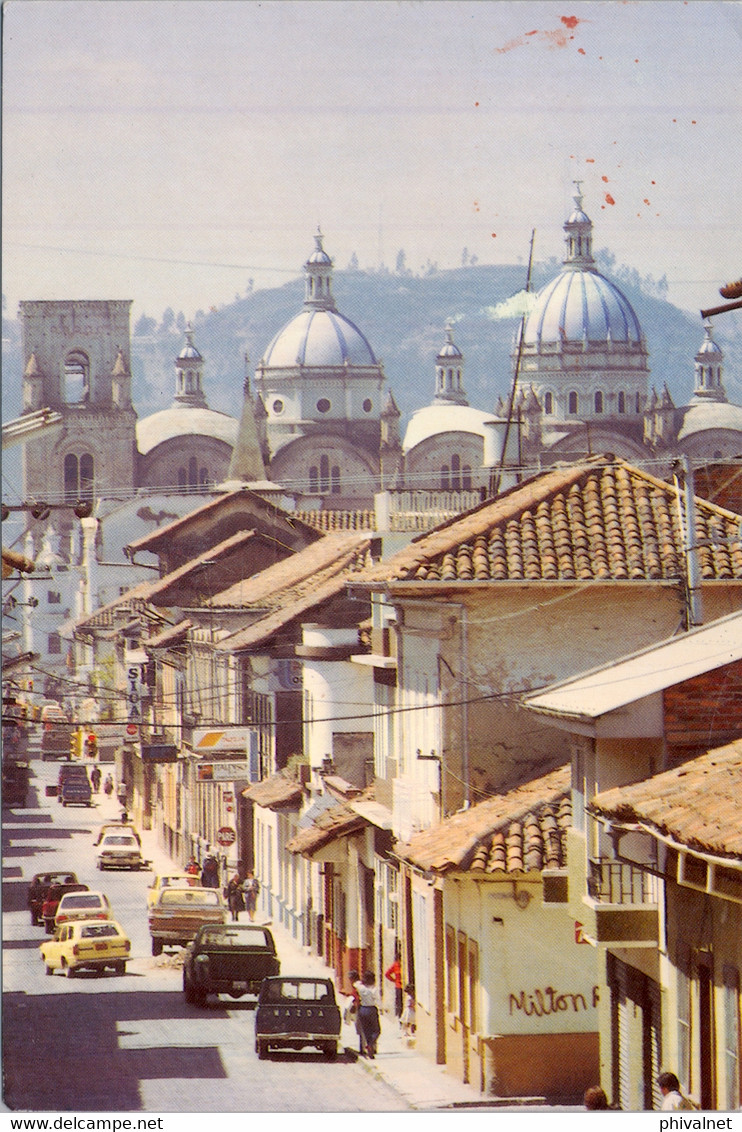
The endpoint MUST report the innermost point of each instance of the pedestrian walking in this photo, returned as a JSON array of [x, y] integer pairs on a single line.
[[210, 871], [672, 1098], [192, 868], [352, 1009], [394, 975], [368, 1013], [408, 1012], [108, 786], [251, 891], [234, 897], [95, 779], [121, 794]]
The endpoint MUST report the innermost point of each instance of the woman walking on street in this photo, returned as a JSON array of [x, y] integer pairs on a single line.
[[235, 899], [368, 1013], [251, 890]]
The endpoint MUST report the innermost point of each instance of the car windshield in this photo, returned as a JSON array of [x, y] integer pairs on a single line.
[[84, 900], [184, 881], [96, 931], [301, 990], [112, 839], [218, 936], [199, 897]]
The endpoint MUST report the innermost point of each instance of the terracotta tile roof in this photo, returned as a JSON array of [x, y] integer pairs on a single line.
[[173, 635], [597, 519], [521, 831], [337, 821], [696, 804], [284, 592], [134, 599], [275, 793], [338, 520]]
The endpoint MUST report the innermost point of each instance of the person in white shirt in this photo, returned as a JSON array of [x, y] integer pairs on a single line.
[[672, 1099], [368, 1013]]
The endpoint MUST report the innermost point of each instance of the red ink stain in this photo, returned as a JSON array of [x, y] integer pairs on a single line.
[[609, 199], [476, 104], [580, 51], [692, 121], [636, 60], [494, 235], [653, 182], [604, 179], [570, 21], [532, 32], [646, 201], [589, 160], [674, 119]]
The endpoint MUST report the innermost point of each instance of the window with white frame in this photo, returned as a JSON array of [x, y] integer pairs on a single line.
[[422, 949]]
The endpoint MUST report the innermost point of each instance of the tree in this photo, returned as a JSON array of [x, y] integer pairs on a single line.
[[401, 265], [144, 327], [168, 318], [353, 263], [180, 322], [464, 257]]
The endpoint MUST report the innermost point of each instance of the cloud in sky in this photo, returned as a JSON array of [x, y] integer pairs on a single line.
[[163, 145]]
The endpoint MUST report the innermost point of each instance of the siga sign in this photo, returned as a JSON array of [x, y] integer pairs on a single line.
[[226, 835]]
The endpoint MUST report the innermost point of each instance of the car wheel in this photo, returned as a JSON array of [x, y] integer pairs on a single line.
[[199, 997], [70, 972], [261, 1048], [330, 1051], [188, 990], [156, 946], [48, 970], [119, 967]]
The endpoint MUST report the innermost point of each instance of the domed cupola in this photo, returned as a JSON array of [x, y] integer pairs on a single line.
[[319, 374], [188, 368], [709, 369], [449, 370], [583, 350]]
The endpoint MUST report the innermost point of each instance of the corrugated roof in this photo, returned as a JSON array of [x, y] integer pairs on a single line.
[[652, 670], [275, 793], [600, 519], [337, 821], [521, 831], [696, 804]]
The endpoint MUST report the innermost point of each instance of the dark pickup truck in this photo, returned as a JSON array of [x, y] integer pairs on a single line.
[[228, 959], [293, 1012]]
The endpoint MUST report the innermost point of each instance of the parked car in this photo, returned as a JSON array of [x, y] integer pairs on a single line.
[[16, 775], [52, 899], [297, 1011], [39, 888], [178, 913], [228, 959], [82, 906], [120, 851], [117, 827], [170, 880], [86, 945]]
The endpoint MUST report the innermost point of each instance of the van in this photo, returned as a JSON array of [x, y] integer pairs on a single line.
[[74, 786]]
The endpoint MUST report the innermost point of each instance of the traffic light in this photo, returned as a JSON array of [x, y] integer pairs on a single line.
[[75, 745], [91, 746]]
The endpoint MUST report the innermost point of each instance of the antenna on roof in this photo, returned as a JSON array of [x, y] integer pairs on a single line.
[[496, 475]]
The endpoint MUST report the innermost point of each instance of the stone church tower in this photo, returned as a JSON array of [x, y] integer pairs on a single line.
[[77, 362]]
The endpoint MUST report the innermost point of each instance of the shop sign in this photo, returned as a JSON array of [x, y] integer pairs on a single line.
[[210, 740], [221, 772]]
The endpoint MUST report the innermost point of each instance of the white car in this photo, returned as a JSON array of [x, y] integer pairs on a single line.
[[120, 851], [82, 906]]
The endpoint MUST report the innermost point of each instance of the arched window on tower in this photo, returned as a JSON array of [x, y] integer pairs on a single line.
[[445, 480], [456, 472], [621, 401], [335, 477], [324, 473], [638, 403], [314, 479], [548, 404], [79, 477], [466, 477], [572, 404], [76, 378], [598, 401], [203, 477]]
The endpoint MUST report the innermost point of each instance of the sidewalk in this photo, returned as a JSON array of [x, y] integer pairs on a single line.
[[419, 1083]]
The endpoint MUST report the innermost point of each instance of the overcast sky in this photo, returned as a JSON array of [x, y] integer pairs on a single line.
[[168, 151]]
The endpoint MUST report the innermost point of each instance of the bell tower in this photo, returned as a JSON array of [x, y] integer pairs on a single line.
[[77, 361]]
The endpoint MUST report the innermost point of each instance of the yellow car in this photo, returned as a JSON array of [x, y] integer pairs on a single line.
[[88, 945], [168, 880]]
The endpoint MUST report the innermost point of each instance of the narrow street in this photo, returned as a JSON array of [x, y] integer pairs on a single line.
[[111, 1043]]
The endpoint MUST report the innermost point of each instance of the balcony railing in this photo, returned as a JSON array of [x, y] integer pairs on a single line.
[[613, 882]]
